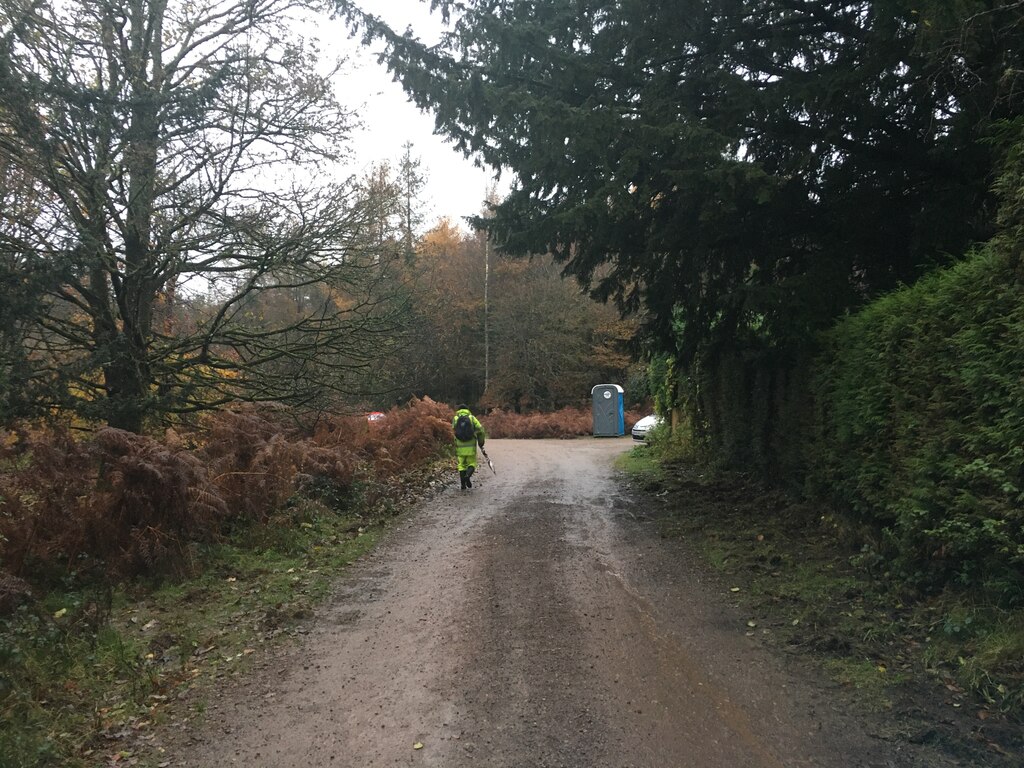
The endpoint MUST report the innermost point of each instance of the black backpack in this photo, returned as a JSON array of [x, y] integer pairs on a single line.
[[464, 428]]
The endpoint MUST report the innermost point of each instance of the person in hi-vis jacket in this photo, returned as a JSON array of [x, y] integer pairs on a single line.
[[469, 433]]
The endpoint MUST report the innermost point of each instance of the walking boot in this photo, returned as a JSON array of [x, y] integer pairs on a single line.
[[469, 476], [463, 479]]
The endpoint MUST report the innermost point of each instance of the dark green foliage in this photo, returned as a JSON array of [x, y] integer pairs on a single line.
[[739, 172], [921, 419], [27, 389], [750, 410], [727, 166], [1010, 186]]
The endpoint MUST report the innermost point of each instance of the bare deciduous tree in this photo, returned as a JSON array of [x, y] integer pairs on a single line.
[[177, 148]]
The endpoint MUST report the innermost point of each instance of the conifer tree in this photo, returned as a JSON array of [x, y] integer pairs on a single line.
[[745, 171], [746, 168]]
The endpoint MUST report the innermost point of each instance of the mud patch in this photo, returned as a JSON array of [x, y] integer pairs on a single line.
[[524, 674]]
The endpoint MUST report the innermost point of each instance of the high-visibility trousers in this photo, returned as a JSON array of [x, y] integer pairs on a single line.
[[465, 452]]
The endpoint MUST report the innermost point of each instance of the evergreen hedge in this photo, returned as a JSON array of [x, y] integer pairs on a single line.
[[920, 425]]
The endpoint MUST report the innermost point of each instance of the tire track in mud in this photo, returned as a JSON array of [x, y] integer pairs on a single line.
[[533, 622], [522, 654]]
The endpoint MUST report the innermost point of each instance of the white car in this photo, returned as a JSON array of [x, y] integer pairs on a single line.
[[645, 425]]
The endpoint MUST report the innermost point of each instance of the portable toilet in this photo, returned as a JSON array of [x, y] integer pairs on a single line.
[[609, 411]]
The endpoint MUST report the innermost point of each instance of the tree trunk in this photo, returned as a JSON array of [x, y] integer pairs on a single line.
[[126, 389]]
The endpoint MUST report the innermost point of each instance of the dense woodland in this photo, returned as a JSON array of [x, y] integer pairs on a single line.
[[796, 226], [502, 332]]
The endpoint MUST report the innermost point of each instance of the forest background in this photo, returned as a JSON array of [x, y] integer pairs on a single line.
[[803, 217]]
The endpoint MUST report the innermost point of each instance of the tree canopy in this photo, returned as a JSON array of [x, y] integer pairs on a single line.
[[158, 150], [748, 169]]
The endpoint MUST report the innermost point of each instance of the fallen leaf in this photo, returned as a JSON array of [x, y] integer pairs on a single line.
[[417, 745], [751, 624], [59, 614], [734, 589]]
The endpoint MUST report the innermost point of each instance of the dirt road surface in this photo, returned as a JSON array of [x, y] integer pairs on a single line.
[[535, 621]]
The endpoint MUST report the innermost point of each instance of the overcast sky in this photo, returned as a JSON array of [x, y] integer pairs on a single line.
[[455, 188]]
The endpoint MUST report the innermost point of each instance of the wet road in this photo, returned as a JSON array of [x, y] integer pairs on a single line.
[[534, 621]]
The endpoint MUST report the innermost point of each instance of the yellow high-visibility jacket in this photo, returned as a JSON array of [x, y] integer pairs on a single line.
[[468, 447]]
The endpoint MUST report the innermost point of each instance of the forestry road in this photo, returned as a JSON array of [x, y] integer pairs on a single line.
[[537, 620]]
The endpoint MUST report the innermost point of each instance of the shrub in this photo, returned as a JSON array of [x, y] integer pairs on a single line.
[[568, 422], [404, 438], [257, 460], [118, 503], [921, 424], [114, 505], [150, 503]]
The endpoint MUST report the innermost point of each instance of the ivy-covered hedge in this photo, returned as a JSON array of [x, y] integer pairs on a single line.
[[920, 425]]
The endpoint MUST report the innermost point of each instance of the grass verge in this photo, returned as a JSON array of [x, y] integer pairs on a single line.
[[945, 668], [86, 674]]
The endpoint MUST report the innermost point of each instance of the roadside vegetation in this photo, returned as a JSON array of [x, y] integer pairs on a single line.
[[136, 569], [90, 671], [944, 663], [918, 435]]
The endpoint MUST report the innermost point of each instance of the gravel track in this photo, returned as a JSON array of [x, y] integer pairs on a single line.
[[535, 621]]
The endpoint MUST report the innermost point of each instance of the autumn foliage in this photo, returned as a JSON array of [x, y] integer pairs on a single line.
[[116, 504], [565, 423]]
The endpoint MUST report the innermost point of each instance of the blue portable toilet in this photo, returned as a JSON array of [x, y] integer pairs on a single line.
[[609, 411]]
